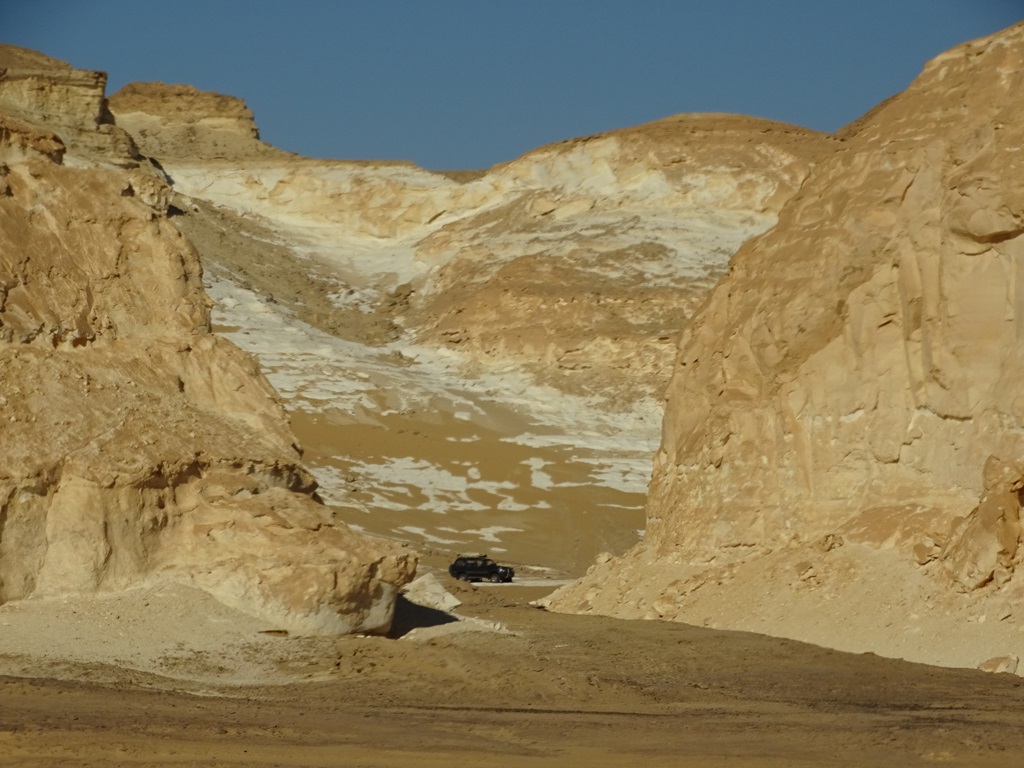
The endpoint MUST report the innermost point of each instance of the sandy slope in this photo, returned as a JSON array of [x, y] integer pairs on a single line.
[[404, 445]]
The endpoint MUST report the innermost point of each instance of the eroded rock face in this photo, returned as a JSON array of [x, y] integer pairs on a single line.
[[867, 349], [982, 548], [70, 102], [584, 275], [569, 262], [860, 364], [532, 307], [137, 445], [181, 121]]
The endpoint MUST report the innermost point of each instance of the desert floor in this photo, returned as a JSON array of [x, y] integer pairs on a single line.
[[508, 684]]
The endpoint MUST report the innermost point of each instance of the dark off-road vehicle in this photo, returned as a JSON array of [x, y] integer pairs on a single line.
[[480, 568]]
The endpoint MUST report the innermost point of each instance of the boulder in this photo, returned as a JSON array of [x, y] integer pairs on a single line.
[[1000, 665]]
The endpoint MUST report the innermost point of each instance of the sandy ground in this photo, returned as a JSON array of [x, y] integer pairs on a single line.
[[546, 689]]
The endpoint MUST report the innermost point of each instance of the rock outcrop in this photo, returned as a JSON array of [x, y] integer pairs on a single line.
[[585, 272], [175, 121], [138, 446], [70, 102], [599, 236], [852, 377], [532, 307]]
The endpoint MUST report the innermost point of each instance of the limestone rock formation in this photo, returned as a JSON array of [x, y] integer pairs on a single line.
[[982, 548], [70, 102], [585, 273], [531, 307], [598, 236], [138, 446], [849, 381], [169, 121]]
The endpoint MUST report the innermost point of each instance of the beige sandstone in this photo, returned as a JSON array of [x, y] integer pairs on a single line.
[[856, 376], [833, 403], [180, 120], [585, 275], [139, 447], [505, 335], [70, 102], [610, 240], [146, 459]]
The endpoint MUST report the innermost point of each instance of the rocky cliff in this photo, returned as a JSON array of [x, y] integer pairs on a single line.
[[138, 446], [477, 360], [604, 233], [602, 246], [174, 121], [842, 446], [70, 101], [500, 340]]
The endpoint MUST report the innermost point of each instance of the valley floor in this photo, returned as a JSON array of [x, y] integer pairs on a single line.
[[547, 690]]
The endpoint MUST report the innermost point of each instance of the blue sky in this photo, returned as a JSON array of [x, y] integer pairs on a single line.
[[469, 83]]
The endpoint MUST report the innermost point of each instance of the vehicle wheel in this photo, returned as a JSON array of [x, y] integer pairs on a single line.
[[495, 578], [463, 577]]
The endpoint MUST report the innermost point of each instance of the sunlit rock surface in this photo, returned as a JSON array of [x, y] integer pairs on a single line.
[[137, 446], [844, 426], [474, 360]]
